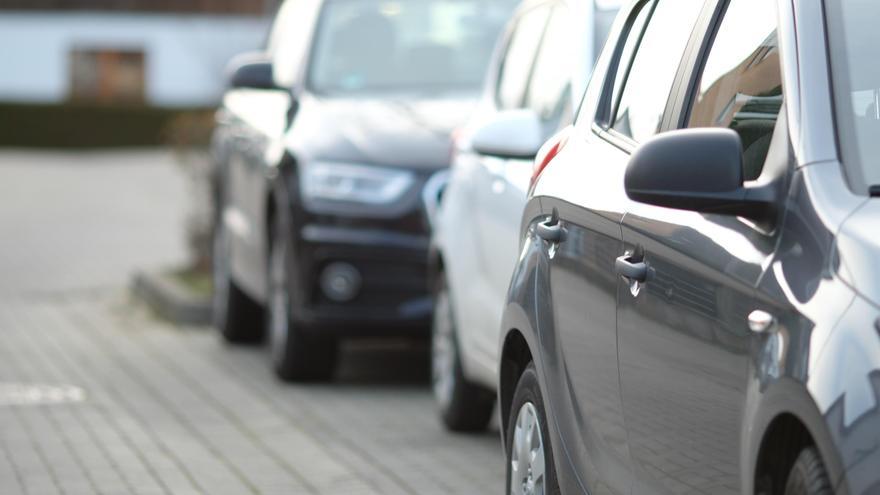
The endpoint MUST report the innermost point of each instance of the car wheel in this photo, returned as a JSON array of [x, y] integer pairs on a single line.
[[464, 406], [530, 468], [808, 475], [297, 355], [238, 317]]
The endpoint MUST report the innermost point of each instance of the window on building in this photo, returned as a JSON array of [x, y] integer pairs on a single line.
[[107, 76]]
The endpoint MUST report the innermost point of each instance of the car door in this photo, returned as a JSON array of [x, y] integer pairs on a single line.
[[255, 115], [548, 95], [683, 332], [581, 197], [498, 196], [257, 121]]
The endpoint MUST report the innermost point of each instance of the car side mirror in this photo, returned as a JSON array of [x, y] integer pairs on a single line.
[[510, 134], [251, 71], [698, 170]]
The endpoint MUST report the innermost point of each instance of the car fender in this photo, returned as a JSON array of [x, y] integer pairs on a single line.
[[764, 404]]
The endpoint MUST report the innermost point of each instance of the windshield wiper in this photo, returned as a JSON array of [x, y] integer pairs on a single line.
[[874, 191]]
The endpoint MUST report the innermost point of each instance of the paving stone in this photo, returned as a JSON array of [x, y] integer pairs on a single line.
[[172, 410]]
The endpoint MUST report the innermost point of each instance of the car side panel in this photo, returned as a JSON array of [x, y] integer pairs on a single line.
[[793, 370], [456, 232], [846, 384], [583, 185], [256, 122], [500, 199], [684, 346], [525, 312]]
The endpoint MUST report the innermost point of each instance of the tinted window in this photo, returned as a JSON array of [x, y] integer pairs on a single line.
[[653, 70], [629, 48], [855, 45], [519, 57], [602, 24], [741, 85], [549, 91], [388, 45]]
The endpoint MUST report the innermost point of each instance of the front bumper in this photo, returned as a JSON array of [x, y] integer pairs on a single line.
[[392, 263]]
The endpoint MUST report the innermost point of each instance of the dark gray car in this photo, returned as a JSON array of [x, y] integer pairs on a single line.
[[695, 308]]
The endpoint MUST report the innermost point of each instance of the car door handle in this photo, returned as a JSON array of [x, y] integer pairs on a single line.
[[551, 231], [632, 270]]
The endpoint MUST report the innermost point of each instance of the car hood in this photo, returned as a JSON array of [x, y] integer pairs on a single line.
[[399, 132], [858, 249]]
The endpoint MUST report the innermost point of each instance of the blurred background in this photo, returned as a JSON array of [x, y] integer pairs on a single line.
[[107, 109], [143, 76], [91, 73]]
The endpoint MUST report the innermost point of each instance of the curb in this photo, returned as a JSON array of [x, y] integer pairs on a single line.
[[171, 300]]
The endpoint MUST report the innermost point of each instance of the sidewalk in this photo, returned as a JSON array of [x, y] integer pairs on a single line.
[[148, 408]]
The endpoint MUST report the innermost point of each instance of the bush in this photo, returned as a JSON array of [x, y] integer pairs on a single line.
[[83, 125]]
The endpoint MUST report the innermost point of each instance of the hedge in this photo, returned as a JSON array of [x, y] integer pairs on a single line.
[[78, 125]]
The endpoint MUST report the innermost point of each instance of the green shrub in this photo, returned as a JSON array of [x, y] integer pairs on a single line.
[[81, 125]]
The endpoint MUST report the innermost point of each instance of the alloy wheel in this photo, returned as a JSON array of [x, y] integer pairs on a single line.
[[279, 302], [528, 462], [443, 351]]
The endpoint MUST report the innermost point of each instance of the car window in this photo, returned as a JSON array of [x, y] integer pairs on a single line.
[[549, 91], [518, 59], [741, 84], [604, 18], [629, 48], [653, 70], [366, 46]]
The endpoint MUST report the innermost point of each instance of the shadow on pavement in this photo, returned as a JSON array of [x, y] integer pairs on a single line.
[[384, 363]]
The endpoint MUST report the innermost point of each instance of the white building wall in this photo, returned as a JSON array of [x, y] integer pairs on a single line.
[[185, 55]]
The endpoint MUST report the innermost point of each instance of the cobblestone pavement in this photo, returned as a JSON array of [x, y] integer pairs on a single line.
[[97, 396]]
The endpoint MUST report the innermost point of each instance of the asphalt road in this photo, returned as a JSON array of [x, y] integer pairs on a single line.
[[98, 396]]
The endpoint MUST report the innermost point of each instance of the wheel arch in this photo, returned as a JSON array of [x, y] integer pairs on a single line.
[[436, 266], [784, 438], [516, 354], [280, 197], [785, 421]]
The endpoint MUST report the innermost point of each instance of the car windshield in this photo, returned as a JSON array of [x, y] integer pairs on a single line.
[[855, 47], [405, 45]]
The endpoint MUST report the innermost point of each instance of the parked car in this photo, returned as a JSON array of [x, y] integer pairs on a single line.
[[695, 305], [322, 147], [534, 85]]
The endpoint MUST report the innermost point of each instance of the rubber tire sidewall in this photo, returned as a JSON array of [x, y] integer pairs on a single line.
[[306, 356], [471, 406], [243, 321], [808, 475], [528, 389]]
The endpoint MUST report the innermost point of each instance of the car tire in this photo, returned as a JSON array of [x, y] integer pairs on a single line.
[[530, 467], [464, 406], [238, 317], [808, 475], [297, 353]]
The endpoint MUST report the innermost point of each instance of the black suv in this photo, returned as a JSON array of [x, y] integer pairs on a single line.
[[323, 146]]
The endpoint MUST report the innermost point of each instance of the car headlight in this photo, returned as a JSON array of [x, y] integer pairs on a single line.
[[357, 183]]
